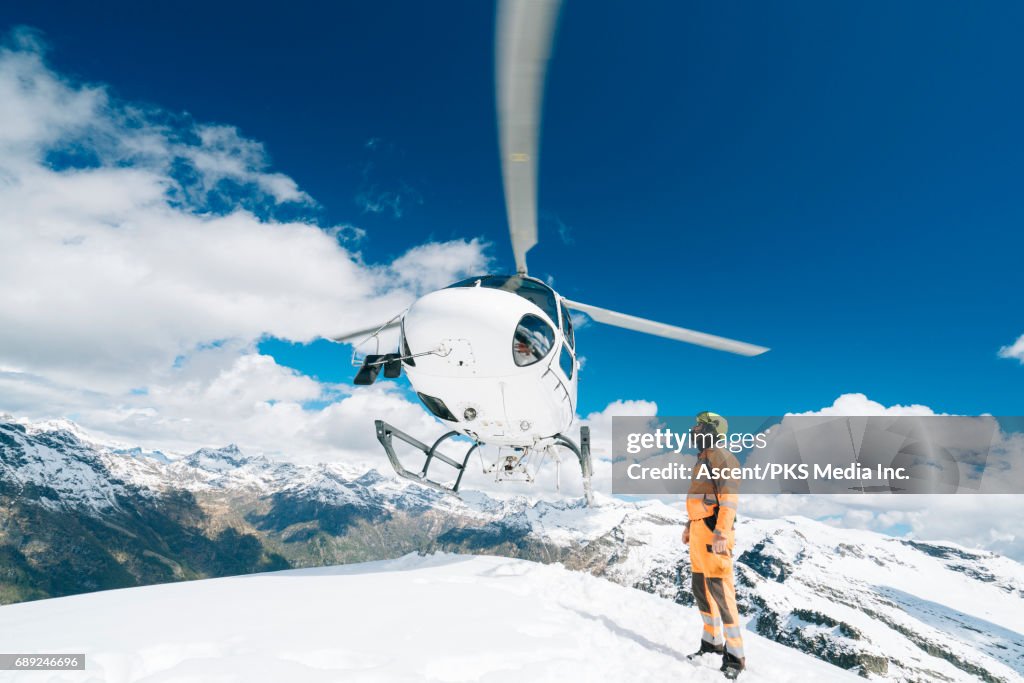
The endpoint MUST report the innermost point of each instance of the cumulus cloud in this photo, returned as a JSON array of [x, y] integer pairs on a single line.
[[430, 266], [859, 405], [144, 255], [987, 522], [222, 154], [600, 423], [1014, 350]]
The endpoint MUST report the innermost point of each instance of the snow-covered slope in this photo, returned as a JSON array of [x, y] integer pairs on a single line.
[[417, 619], [886, 607], [890, 607]]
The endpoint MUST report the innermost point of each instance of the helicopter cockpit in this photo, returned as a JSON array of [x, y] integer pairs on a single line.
[[534, 338]]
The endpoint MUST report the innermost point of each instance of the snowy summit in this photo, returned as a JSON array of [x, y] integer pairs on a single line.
[[416, 619]]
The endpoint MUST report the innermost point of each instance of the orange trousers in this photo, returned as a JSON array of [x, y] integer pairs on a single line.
[[714, 590]]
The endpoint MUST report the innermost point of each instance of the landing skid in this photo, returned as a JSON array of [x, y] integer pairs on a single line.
[[386, 435], [583, 454]]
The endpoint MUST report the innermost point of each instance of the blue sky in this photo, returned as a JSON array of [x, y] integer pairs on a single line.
[[838, 182]]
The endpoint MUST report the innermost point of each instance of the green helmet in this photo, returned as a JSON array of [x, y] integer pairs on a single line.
[[715, 421]]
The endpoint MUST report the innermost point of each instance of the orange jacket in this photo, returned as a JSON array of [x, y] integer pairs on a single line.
[[706, 497]]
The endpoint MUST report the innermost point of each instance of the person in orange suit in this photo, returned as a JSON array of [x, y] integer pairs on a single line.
[[711, 508]]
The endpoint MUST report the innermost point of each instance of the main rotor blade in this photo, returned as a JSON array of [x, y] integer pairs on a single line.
[[362, 334], [631, 322], [525, 31]]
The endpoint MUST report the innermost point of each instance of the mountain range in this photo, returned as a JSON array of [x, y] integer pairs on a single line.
[[78, 515]]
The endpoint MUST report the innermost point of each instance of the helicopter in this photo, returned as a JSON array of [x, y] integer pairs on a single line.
[[494, 357]]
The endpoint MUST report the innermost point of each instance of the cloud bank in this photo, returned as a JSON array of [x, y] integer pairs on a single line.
[[989, 522], [145, 254]]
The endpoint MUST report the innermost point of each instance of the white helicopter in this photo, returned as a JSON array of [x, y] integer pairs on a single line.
[[495, 356]]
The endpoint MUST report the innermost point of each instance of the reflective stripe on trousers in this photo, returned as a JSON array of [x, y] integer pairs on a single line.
[[715, 592]]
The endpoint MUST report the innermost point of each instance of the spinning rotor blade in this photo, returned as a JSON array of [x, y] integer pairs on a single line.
[[630, 322], [524, 34], [361, 334]]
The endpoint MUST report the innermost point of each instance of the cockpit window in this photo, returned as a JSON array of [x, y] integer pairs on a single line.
[[532, 341], [567, 327], [531, 290], [566, 361]]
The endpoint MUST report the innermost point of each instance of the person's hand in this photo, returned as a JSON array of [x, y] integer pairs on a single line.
[[720, 546], [686, 535]]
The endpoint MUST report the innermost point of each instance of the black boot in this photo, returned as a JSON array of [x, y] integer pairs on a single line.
[[732, 666], [707, 648]]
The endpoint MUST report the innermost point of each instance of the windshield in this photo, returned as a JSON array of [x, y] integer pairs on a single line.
[[531, 290]]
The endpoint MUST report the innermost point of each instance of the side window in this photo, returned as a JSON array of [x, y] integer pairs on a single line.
[[567, 327], [532, 341], [566, 362]]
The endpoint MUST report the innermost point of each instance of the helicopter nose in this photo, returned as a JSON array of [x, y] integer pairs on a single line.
[[470, 328]]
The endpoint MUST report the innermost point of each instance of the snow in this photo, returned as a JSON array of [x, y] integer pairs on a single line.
[[438, 618], [896, 595]]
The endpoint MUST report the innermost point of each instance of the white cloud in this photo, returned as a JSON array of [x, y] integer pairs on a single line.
[[141, 263], [37, 110], [984, 521], [861, 406], [1014, 350], [600, 423], [223, 154], [429, 266], [230, 394], [988, 522]]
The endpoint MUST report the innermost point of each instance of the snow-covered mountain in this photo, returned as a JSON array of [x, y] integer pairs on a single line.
[[437, 618], [77, 515]]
